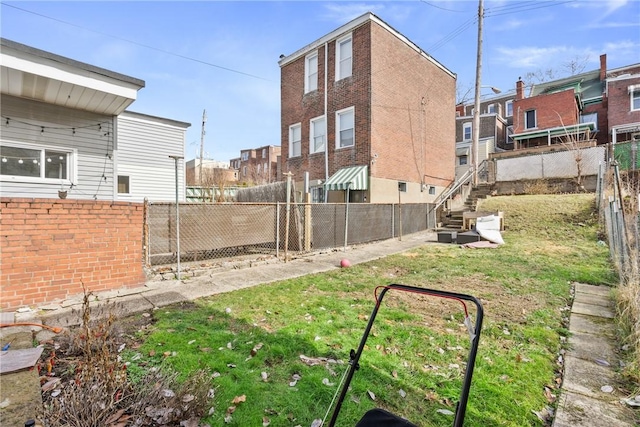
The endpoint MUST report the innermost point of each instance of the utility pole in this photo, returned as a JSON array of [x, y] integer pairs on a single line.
[[204, 120], [476, 106]]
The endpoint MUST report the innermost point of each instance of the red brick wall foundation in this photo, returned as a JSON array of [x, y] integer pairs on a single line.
[[50, 247]]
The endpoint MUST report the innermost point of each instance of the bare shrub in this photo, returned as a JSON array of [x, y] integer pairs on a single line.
[[540, 186], [95, 390]]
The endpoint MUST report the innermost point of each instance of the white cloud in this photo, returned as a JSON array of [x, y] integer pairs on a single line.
[[531, 58], [343, 12]]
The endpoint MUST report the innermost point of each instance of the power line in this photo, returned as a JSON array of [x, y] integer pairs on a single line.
[[141, 44], [442, 8], [539, 5]]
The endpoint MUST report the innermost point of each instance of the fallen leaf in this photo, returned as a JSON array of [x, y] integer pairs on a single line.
[[265, 421], [316, 423], [191, 342], [264, 376], [371, 395], [444, 412], [606, 389], [188, 398], [231, 410], [402, 393], [239, 399], [326, 382], [50, 385], [168, 393], [394, 374]]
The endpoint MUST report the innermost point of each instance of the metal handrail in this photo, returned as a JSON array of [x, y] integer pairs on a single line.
[[452, 188]]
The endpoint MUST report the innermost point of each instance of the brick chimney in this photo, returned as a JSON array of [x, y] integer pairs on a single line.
[[519, 89], [603, 67]]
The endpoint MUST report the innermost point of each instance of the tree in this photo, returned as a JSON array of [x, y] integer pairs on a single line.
[[573, 66]]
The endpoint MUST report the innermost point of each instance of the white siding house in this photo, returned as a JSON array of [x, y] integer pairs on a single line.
[[64, 128], [144, 168]]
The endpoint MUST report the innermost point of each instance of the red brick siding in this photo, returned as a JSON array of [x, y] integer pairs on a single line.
[[413, 113], [620, 102], [552, 110], [602, 134], [51, 247]]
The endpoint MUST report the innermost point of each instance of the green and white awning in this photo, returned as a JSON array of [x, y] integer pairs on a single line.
[[354, 178]]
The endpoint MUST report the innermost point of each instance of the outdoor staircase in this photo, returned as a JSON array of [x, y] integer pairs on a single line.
[[453, 221]]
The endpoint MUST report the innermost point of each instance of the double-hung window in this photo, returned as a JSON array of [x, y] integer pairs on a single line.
[[317, 134], [245, 156], [345, 131], [33, 163], [311, 72], [590, 118], [530, 119], [344, 57], [508, 106], [295, 140], [635, 99], [466, 131], [491, 108]]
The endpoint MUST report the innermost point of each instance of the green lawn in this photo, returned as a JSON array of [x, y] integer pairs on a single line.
[[251, 340]]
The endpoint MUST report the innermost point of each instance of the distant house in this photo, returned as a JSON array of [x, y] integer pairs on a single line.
[[65, 128], [258, 165], [572, 106], [367, 114], [496, 127], [623, 99], [213, 172]]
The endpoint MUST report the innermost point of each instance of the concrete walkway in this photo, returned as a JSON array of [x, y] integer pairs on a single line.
[[589, 365], [589, 396]]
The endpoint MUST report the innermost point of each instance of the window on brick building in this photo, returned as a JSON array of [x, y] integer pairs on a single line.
[[295, 140], [463, 160], [33, 163], [508, 106], [259, 169], [264, 153], [311, 72], [491, 108], [530, 119], [244, 171], [317, 135], [245, 156], [345, 128], [590, 118], [466, 131], [635, 99], [344, 54]]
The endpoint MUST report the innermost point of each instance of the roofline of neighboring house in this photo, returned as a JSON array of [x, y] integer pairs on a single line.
[[502, 119], [623, 77], [624, 67], [350, 26], [510, 94], [10, 44], [563, 81], [163, 120]]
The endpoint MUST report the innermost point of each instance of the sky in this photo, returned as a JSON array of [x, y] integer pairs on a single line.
[[222, 56]]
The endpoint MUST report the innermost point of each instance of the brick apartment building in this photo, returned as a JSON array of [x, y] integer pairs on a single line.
[[367, 113], [258, 165], [213, 173]]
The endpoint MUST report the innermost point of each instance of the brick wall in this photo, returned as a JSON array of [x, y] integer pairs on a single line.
[[50, 247], [620, 102], [552, 110], [412, 114]]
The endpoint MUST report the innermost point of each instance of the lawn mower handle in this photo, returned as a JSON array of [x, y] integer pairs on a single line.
[[466, 385]]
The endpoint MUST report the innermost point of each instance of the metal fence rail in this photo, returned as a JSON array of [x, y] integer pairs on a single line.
[[218, 230]]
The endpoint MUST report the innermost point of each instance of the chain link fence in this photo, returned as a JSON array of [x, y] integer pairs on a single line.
[[223, 230]]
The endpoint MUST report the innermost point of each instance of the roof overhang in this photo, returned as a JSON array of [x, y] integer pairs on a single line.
[[26, 72], [352, 178], [557, 131], [625, 128]]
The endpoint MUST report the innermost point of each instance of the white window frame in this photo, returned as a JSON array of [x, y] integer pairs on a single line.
[[244, 171], [508, 108], [510, 134], [467, 126], [402, 186], [72, 164], [310, 72], [293, 143], [340, 68], [535, 119], [634, 99], [128, 193], [259, 169], [245, 156], [316, 125], [590, 118], [491, 107], [339, 115], [466, 160], [264, 153]]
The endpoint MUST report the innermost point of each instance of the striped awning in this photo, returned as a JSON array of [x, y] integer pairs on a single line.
[[354, 178]]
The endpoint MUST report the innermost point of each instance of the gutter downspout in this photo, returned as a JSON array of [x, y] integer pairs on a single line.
[[326, 119]]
